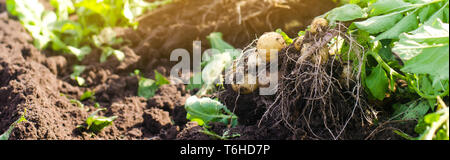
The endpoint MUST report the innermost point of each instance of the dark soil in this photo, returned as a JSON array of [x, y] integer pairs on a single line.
[[39, 82]]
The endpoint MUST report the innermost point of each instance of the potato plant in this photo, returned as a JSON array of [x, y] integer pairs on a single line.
[[404, 41]]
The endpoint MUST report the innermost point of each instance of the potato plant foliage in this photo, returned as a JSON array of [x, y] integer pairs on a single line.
[[78, 26], [405, 41], [148, 87], [206, 110], [95, 123], [91, 28]]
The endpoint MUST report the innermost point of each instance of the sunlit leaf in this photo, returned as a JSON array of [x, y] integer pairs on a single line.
[[206, 110], [377, 82]]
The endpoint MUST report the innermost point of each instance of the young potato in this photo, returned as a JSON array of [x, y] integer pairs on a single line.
[[298, 43], [305, 53], [318, 24], [321, 57], [270, 41], [246, 87]]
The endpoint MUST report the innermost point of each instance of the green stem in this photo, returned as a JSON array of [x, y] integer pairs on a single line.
[[436, 125], [386, 66], [406, 78], [416, 87], [441, 102]]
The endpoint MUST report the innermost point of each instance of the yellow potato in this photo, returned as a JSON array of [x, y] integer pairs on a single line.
[[246, 87], [318, 24], [321, 57], [270, 41], [298, 42]]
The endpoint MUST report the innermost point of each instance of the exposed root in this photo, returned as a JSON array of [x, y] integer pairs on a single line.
[[311, 97]]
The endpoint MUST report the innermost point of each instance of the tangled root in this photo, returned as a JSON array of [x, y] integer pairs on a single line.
[[312, 99]]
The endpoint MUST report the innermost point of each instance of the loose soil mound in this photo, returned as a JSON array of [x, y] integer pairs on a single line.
[[28, 79]]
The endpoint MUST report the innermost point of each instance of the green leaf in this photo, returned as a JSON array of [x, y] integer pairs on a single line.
[[429, 119], [344, 13], [412, 110], [207, 110], [439, 15], [421, 125], [424, 13], [80, 53], [97, 105], [427, 51], [106, 37], [218, 43], [65, 33], [80, 80], [160, 79], [386, 6], [108, 51], [106, 9], [34, 18], [213, 65], [213, 70], [362, 3], [385, 50], [5, 135], [28, 11], [407, 24], [441, 134], [96, 123], [63, 7], [446, 14], [285, 36], [134, 8], [100, 7], [377, 82], [87, 95], [147, 88], [418, 111], [434, 126], [430, 86], [77, 70], [78, 103], [379, 24], [91, 25]]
